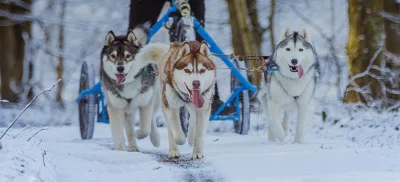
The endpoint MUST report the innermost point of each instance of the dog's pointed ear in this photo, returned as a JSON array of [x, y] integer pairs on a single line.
[[286, 33], [185, 50], [303, 32], [205, 49], [109, 38], [131, 37]]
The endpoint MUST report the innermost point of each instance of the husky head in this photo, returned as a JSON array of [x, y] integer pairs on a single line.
[[194, 71], [118, 54], [294, 53]]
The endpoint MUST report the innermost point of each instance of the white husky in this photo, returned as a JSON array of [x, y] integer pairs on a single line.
[[187, 79], [293, 84]]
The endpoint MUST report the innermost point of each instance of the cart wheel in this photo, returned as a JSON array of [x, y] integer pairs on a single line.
[[88, 105], [179, 35], [243, 124]]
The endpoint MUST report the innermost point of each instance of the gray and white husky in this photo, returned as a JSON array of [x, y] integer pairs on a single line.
[[129, 85], [293, 84]]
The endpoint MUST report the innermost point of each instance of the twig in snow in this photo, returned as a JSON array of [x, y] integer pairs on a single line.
[[43, 154], [37, 133], [1, 147], [23, 129], [28, 156], [27, 106]]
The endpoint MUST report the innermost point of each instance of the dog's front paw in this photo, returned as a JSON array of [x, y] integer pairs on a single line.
[[299, 140], [196, 156], [174, 154], [119, 148], [133, 149]]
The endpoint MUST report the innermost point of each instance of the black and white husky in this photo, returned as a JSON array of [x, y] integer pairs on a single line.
[[293, 84], [129, 85]]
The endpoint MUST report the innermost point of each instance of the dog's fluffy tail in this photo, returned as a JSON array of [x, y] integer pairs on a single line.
[[153, 52], [141, 32]]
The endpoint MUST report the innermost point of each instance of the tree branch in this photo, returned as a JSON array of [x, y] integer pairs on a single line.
[[27, 106], [390, 16], [365, 72]]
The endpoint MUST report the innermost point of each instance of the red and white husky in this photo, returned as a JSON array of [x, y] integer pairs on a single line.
[[187, 79]]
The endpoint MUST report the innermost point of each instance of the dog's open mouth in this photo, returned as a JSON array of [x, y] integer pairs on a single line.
[[294, 68], [196, 97], [298, 69], [120, 78]]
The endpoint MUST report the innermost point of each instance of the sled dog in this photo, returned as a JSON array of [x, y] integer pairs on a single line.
[[129, 85], [187, 79], [293, 84]]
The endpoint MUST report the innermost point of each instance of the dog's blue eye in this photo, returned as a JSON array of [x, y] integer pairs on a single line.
[[113, 56], [186, 70], [301, 50], [288, 49]]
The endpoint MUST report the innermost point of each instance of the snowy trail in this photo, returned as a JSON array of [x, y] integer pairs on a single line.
[[95, 160], [228, 157]]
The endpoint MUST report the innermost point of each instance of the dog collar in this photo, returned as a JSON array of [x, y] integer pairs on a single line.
[[270, 67]]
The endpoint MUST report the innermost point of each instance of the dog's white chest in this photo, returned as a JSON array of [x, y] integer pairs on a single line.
[[130, 96], [284, 89]]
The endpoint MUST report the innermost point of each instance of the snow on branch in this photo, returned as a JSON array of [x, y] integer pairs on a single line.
[[4, 101], [385, 75], [366, 71], [390, 16], [27, 106]]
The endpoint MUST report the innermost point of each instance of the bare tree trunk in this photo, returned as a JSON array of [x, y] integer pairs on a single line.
[[242, 35], [364, 38], [60, 65], [236, 37], [392, 48], [257, 31], [7, 57], [271, 25]]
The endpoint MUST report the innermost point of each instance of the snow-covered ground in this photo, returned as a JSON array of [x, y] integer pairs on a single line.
[[228, 157]]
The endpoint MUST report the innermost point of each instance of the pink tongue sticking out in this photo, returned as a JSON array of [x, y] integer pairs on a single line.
[[300, 71], [197, 98], [120, 78]]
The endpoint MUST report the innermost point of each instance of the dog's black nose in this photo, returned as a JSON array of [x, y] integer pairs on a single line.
[[294, 61], [196, 84], [120, 69]]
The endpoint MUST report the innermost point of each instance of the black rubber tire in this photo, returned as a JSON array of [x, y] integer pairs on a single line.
[[242, 125], [180, 37], [88, 111]]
